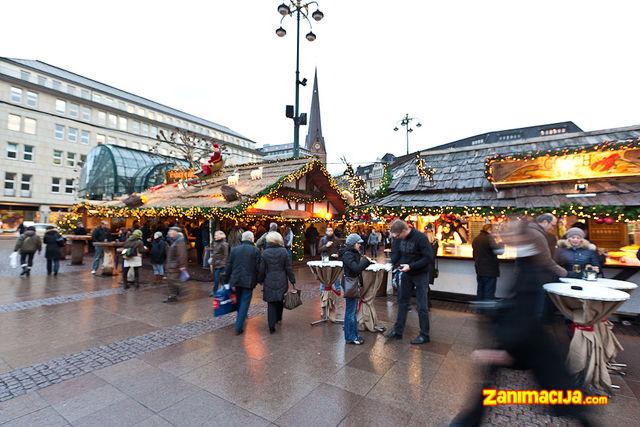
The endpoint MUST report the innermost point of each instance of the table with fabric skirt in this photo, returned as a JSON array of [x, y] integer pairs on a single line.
[[586, 308], [372, 278], [110, 259], [78, 245], [327, 273]]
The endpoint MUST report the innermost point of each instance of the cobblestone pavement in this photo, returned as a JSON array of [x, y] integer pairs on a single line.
[[39, 262], [26, 305]]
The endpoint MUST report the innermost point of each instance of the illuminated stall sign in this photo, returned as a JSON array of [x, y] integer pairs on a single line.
[[583, 165], [176, 175]]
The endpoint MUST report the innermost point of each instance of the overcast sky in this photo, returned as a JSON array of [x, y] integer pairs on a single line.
[[462, 67]]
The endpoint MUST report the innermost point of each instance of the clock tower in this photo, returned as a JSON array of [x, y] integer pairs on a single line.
[[315, 141]]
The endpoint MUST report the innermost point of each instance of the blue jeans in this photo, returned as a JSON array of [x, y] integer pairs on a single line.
[[217, 278], [53, 265], [351, 320], [244, 300], [158, 269], [486, 288], [97, 258]]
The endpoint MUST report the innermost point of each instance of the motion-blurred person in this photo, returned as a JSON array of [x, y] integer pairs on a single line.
[[132, 253], [485, 256], [275, 273], [288, 237], [242, 272], [158, 255], [522, 340], [311, 235], [218, 259], [412, 255], [373, 241], [27, 245], [100, 234], [54, 244], [262, 241], [354, 264], [575, 253], [176, 262]]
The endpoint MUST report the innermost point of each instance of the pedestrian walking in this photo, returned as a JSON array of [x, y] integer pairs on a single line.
[[412, 255], [485, 256], [373, 241], [241, 273], [287, 236], [354, 264], [132, 254], [100, 234], [311, 235], [158, 255], [262, 241], [275, 273], [27, 245], [176, 262], [54, 244], [218, 260]]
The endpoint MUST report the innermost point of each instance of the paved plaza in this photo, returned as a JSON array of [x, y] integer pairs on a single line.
[[77, 350]]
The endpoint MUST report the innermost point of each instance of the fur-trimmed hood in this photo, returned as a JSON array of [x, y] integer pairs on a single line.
[[564, 243]]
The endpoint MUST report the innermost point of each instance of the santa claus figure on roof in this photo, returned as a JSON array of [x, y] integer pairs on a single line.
[[214, 164]]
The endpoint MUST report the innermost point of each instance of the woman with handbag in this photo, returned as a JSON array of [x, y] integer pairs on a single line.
[[54, 244], [275, 272], [132, 253], [353, 264]]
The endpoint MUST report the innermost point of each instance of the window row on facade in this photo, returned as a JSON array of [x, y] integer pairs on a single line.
[[11, 182]]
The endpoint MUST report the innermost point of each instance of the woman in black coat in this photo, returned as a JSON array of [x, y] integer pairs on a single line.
[[53, 253], [275, 273], [354, 264]]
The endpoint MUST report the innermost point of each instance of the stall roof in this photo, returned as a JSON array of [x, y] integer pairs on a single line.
[[274, 175], [459, 179]]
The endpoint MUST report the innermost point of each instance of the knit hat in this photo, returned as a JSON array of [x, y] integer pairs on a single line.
[[157, 235], [575, 231], [178, 229], [352, 239], [137, 233]]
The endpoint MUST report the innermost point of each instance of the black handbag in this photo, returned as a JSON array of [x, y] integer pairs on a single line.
[[292, 299], [351, 286]]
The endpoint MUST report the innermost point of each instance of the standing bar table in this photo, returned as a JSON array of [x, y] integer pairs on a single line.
[[109, 265], [78, 244], [586, 307], [372, 278], [327, 273]]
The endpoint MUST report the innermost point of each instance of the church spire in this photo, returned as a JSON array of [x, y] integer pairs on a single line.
[[315, 141]]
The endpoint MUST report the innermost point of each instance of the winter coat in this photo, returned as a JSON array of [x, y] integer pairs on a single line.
[[52, 240], [312, 234], [328, 250], [158, 254], [568, 256], [539, 244], [288, 239], [219, 254], [373, 239], [139, 249], [485, 255], [28, 242], [353, 262], [275, 273], [177, 255], [415, 250], [100, 234], [242, 266]]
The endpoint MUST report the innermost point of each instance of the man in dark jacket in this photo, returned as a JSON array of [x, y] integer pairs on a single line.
[[485, 255], [100, 234], [176, 262], [241, 272], [27, 245], [311, 235], [412, 255], [329, 244], [54, 243]]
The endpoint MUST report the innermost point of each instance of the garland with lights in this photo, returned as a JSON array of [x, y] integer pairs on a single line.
[[356, 185], [423, 170], [68, 222], [603, 146]]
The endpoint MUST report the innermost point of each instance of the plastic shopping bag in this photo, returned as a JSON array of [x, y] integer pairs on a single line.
[[14, 260], [224, 301], [184, 276]]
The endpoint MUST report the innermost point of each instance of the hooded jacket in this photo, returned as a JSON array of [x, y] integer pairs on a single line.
[[568, 256], [28, 242]]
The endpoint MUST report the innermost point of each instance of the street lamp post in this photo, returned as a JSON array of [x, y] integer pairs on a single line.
[[300, 9], [406, 122]]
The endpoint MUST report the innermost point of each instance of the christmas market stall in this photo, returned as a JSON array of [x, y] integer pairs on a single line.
[[291, 192], [587, 179]]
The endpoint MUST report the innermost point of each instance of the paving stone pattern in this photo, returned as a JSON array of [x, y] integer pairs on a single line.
[[62, 299], [23, 380]]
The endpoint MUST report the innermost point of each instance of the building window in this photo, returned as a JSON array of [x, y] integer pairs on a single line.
[[111, 140], [24, 75], [9, 184], [135, 127], [113, 121], [59, 132], [553, 131], [29, 126], [32, 99], [57, 157], [71, 89], [100, 139], [42, 80], [27, 153], [13, 122], [85, 94], [71, 159], [145, 129], [68, 186], [83, 160], [61, 106], [102, 118], [73, 110], [25, 186], [72, 135], [84, 137], [509, 137], [55, 184], [57, 85], [16, 95], [86, 113], [12, 150], [122, 123]]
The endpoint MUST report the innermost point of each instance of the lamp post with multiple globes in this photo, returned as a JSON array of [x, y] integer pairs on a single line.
[[406, 122]]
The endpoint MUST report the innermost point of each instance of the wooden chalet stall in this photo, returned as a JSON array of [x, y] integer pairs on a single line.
[[588, 177], [296, 192]]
